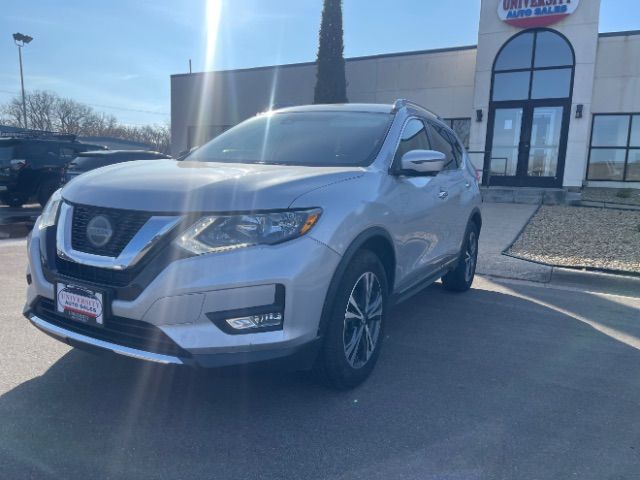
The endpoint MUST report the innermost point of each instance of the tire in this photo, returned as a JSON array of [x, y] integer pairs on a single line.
[[461, 278], [46, 189], [14, 200], [346, 358]]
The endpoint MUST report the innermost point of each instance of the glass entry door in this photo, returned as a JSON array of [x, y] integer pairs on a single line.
[[527, 145]]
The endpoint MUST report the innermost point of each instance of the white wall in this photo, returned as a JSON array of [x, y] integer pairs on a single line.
[[441, 80], [617, 77]]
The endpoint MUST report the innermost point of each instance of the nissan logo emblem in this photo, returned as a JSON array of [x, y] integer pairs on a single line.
[[99, 231]]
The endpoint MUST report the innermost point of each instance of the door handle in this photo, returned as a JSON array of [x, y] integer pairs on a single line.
[[467, 185], [443, 195]]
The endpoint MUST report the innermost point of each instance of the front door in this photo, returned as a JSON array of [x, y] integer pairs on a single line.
[[528, 143]]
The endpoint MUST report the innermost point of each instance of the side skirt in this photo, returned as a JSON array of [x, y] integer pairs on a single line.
[[439, 272]]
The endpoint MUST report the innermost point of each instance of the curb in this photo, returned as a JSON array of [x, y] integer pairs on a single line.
[[608, 205], [578, 269], [591, 280]]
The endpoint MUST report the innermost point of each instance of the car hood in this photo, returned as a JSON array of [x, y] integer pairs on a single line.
[[173, 186]]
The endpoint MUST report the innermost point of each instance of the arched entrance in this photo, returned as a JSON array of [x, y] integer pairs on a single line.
[[531, 90]]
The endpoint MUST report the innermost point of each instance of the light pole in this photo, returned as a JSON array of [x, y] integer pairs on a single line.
[[21, 40]]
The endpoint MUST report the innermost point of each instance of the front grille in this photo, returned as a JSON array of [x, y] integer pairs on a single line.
[[125, 223], [121, 331]]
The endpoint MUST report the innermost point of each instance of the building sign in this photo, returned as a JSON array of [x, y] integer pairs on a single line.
[[535, 13]]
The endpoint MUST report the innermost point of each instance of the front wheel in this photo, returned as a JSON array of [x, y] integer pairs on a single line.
[[356, 324], [461, 278]]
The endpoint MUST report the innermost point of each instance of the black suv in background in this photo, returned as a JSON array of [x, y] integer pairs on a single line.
[[31, 165], [87, 161]]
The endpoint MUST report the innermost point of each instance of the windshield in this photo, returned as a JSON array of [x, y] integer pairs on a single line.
[[301, 138]]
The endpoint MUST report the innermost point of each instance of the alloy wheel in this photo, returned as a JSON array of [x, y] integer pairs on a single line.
[[471, 256], [363, 320]]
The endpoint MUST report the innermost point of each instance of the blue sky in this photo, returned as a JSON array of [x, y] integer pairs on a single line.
[[117, 55]]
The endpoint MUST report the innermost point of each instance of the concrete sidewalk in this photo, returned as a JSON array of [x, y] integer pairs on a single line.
[[502, 223]]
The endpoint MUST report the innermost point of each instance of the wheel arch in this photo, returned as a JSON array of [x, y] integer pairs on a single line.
[[374, 239], [476, 217]]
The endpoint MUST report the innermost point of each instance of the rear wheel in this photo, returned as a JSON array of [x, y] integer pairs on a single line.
[[356, 324], [47, 187], [461, 278]]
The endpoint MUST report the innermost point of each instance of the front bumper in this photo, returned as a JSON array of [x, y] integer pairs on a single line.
[[301, 357], [177, 301]]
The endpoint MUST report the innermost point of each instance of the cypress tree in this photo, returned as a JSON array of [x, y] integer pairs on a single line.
[[331, 83]]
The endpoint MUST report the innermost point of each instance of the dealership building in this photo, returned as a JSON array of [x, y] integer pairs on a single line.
[[543, 100]]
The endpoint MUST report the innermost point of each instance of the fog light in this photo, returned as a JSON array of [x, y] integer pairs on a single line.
[[273, 319]]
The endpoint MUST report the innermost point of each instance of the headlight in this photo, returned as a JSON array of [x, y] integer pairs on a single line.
[[226, 232], [50, 210]]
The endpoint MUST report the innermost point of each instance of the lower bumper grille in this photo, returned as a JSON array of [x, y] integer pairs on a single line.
[[122, 331], [103, 276]]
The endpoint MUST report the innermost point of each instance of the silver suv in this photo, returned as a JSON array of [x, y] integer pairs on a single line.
[[287, 237]]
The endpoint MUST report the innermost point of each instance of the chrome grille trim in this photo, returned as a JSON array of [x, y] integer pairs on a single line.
[[148, 235]]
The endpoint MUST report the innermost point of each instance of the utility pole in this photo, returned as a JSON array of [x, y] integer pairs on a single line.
[[21, 40]]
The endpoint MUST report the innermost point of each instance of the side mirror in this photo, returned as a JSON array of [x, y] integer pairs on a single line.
[[423, 161]]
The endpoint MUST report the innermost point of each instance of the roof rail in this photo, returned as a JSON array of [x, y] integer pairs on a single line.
[[403, 102], [39, 134]]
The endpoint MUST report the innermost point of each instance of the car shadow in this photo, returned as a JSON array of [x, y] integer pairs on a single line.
[[482, 385]]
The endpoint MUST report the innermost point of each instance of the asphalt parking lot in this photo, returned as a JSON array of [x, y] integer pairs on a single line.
[[16, 222], [506, 381]]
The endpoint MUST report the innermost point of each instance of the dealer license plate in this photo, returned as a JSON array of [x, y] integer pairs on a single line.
[[80, 304]]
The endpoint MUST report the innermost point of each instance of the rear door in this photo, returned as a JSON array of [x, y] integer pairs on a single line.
[[453, 186]]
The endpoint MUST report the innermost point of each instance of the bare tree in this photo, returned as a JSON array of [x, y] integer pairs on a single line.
[[48, 111], [41, 110], [72, 117], [12, 113]]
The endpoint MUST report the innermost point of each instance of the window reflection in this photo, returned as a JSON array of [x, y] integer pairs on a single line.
[[545, 141], [633, 166], [607, 164], [610, 130], [511, 86], [516, 54], [462, 127], [506, 139], [615, 148], [635, 132], [552, 50], [551, 83]]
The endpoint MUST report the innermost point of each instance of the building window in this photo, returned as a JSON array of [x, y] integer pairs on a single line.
[[615, 148], [533, 65], [462, 127]]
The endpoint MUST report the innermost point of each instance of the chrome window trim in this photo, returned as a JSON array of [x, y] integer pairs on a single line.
[[148, 235]]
